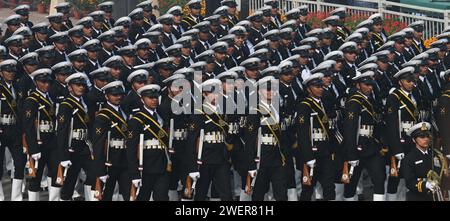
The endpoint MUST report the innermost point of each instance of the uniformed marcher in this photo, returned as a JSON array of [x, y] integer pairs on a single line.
[[109, 145], [13, 23], [266, 155], [208, 158], [76, 38], [418, 45], [255, 34], [38, 136], [402, 114], [40, 31], [58, 90], [149, 17], [115, 63], [312, 137], [137, 25], [107, 41], [194, 16], [24, 11], [64, 8], [92, 48], [441, 114], [10, 128], [275, 15], [362, 144], [175, 123], [29, 63], [288, 101], [131, 103], [14, 45], [56, 24], [379, 36], [422, 165], [147, 149], [60, 41], [350, 53], [98, 27], [95, 99], [232, 12], [107, 7], [73, 141]]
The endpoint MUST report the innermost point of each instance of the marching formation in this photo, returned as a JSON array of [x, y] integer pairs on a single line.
[[183, 107]]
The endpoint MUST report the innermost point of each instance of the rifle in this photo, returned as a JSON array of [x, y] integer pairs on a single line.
[[393, 172], [345, 175], [307, 178], [61, 175], [250, 181], [200, 147], [32, 169], [135, 190], [171, 134], [98, 194]]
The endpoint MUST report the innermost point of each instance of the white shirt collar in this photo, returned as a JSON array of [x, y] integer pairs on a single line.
[[41, 93], [315, 99], [406, 92], [76, 98], [114, 106], [423, 152], [149, 110]]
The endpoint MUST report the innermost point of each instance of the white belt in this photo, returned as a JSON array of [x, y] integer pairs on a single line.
[[117, 144], [268, 139], [79, 134], [406, 125], [214, 137], [45, 126], [233, 128], [180, 134], [7, 119], [318, 135], [152, 144], [366, 130]]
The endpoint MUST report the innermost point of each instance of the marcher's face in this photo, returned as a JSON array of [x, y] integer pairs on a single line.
[[77, 89], [114, 99], [43, 86], [366, 89], [407, 85], [316, 91], [8, 75], [423, 141], [151, 103]]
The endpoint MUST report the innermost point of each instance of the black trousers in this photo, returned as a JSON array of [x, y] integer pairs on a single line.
[[394, 181], [121, 176], [219, 175], [177, 171], [80, 160], [156, 183], [271, 175], [376, 169], [10, 137], [49, 159], [324, 173]]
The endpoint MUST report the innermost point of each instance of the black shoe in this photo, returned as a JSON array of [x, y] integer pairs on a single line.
[[79, 198]]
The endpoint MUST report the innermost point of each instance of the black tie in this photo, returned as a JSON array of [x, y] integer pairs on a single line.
[[206, 45], [179, 29]]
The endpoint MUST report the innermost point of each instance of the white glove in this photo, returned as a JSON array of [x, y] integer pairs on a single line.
[[400, 156], [66, 163], [36, 156], [252, 173], [311, 163], [104, 178], [194, 175], [448, 157], [136, 182], [429, 185], [353, 163]]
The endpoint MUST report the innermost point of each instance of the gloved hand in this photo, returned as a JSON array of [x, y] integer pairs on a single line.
[[136, 182], [400, 156], [353, 163], [36, 156], [194, 175], [66, 163], [429, 185], [448, 157], [252, 173], [104, 178], [311, 163]]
